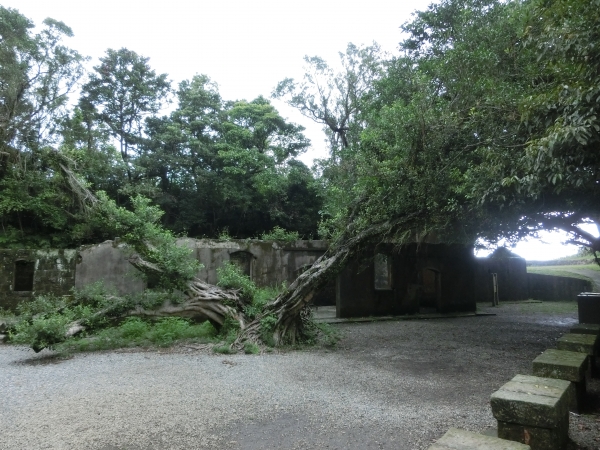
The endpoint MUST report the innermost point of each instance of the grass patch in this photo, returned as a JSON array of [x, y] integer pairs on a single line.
[[551, 308], [567, 269], [251, 349], [557, 273], [136, 332], [328, 334], [224, 349]]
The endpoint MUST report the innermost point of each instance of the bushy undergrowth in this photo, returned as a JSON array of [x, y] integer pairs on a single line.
[[231, 277], [136, 332], [44, 321]]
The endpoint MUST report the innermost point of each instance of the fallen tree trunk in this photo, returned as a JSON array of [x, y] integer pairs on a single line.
[[291, 307]]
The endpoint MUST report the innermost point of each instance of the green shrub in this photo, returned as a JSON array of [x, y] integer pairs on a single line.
[[267, 325], [229, 330], [329, 335], [224, 349], [279, 234], [96, 295], [231, 277], [43, 321], [134, 328], [251, 349]]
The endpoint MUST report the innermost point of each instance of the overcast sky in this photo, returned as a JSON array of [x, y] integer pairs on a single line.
[[246, 46]]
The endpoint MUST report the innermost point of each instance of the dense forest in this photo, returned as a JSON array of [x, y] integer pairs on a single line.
[[213, 166], [484, 124]]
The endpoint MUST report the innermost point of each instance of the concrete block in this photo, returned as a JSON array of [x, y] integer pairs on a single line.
[[534, 411], [529, 400], [456, 439], [561, 364], [536, 437], [582, 343], [565, 365]]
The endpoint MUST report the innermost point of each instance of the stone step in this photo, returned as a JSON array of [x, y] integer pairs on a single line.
[[534, 411], [561, 364], [456, 439], [565, 365], [582, 343]]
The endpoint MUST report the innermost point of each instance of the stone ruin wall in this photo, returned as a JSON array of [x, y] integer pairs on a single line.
[[25, 273], [58, 271]]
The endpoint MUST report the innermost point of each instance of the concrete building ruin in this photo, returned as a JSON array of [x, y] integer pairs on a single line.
[[384, 280]]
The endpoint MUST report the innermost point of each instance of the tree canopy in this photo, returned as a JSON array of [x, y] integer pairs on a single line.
[[213, 165]]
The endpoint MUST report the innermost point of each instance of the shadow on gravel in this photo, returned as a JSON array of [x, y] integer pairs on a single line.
[[42, 359]]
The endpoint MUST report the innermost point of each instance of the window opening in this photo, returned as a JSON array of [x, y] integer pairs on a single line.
[[383, 272], [24, 271], [244, 261]]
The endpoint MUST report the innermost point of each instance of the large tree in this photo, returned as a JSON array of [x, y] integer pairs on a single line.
[[37, 73], [550, 181], [122, 92], [435, 144], [217, 162]]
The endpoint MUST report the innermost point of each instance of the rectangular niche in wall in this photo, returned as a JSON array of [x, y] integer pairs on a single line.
[[243, 260], [383, 272], [24, 271]]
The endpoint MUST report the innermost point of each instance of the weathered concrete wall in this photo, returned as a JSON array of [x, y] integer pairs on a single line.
[[512, 279], [553, 288], [426, 277], [53, 273], [271, 262], [267, 263], [107, 262]]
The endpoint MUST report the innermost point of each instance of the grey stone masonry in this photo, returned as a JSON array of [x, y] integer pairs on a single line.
[[565, 365], [583, 343], [586, 328], [456, 439], [534, 411]]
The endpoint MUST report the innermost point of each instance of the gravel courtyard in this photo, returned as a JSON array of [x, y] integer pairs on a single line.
[[388, 385]]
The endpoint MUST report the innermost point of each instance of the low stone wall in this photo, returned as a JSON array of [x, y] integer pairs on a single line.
[[267, 262], [554, 288], [23, 273]]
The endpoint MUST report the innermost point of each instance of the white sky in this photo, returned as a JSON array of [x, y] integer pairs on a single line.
[[246, 46]]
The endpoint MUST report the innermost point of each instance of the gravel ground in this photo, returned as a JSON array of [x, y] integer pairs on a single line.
[[388, 385]]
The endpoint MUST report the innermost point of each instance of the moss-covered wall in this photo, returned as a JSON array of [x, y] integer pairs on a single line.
[[53, 273]]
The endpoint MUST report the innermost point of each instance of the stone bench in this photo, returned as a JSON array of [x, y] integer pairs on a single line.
[[534, 411], [456, 439], [565, 365], [582, 343]]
